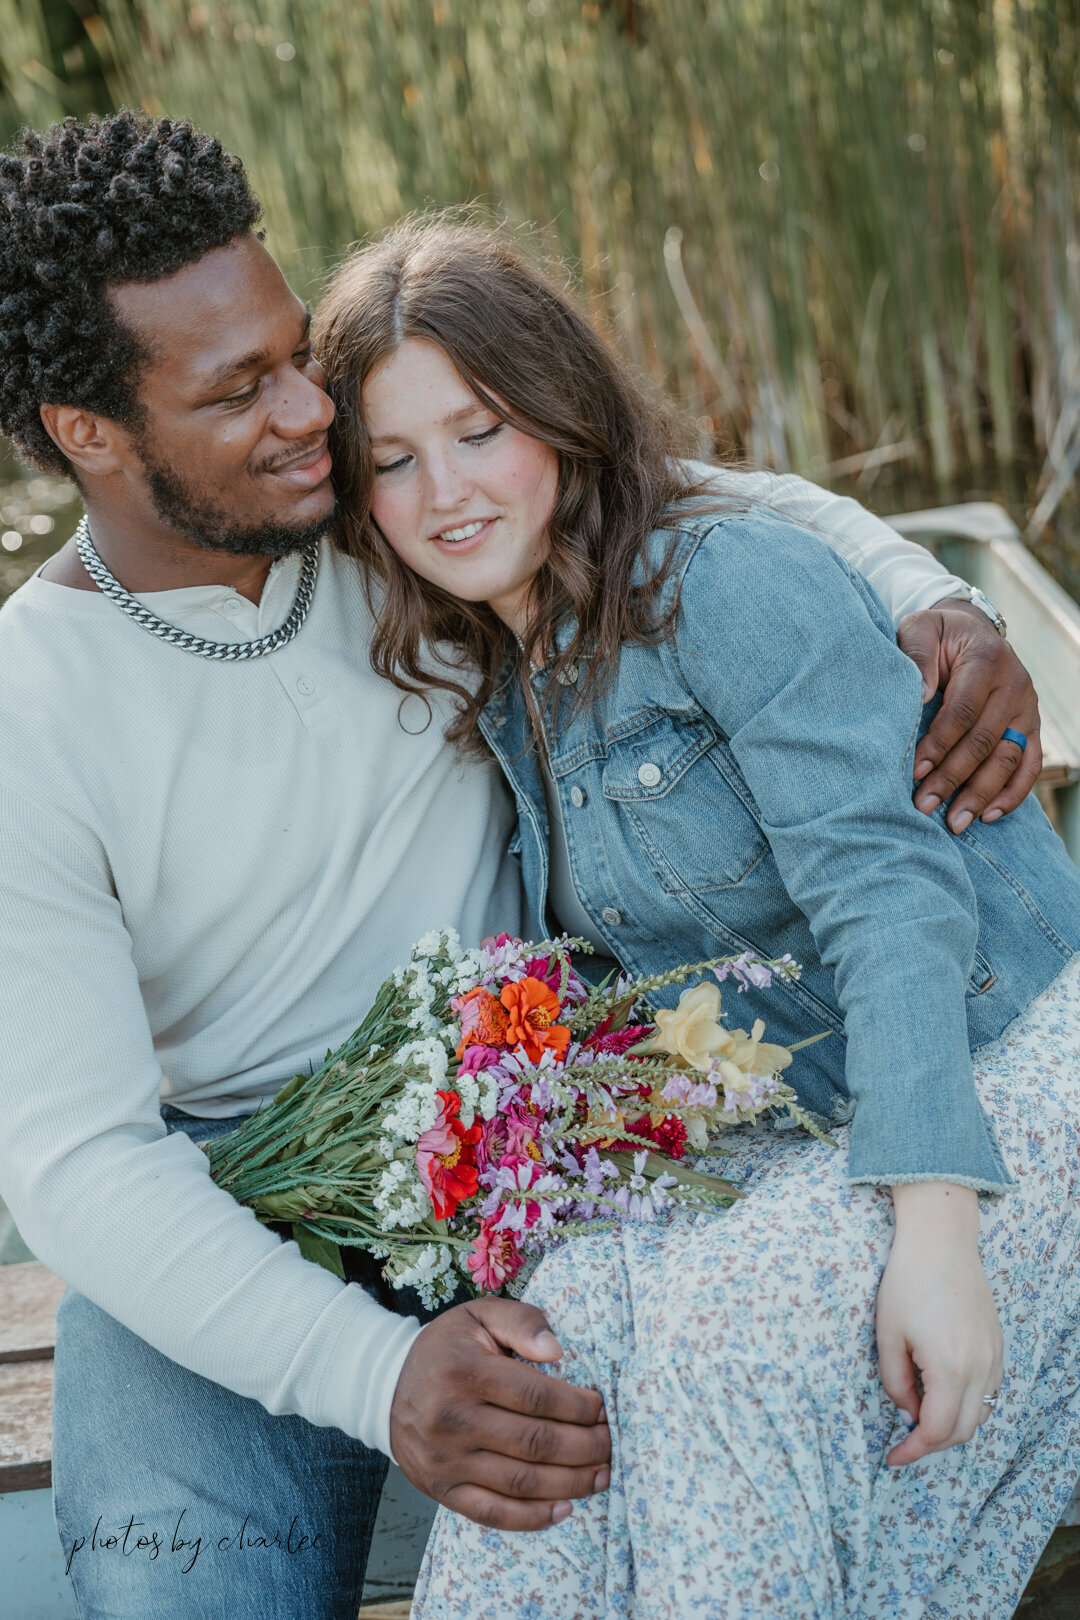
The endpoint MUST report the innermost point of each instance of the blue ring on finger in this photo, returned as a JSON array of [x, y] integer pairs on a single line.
[[1012, 735]]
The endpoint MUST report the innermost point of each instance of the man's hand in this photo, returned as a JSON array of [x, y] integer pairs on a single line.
[[493, 1439], [987, 689]]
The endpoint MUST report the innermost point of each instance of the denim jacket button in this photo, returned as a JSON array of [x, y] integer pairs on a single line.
[[568, 677], [612, 917], [577, 798], [649, 775]]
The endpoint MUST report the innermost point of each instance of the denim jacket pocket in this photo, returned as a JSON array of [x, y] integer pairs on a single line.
[[678, 790]]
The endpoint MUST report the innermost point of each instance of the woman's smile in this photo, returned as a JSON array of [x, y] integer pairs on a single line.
[[465, 537]]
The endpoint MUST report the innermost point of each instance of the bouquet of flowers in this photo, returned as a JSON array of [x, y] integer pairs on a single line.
[[492, 1103]]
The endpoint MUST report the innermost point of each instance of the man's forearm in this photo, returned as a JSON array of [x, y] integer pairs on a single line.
[[904, 574]]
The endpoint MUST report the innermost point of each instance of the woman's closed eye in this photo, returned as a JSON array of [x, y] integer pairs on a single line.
[[393, 466], [484, 437]]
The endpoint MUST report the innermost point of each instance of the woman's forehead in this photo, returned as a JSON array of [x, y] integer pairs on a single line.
[[416, 384]]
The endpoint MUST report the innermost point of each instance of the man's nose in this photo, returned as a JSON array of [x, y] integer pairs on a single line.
[[304, 407]]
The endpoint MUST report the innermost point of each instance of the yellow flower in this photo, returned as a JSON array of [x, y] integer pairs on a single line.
[[752, 1055], [692, 1032]]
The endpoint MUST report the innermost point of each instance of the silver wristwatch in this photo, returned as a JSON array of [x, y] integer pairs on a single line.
[[984, 604]]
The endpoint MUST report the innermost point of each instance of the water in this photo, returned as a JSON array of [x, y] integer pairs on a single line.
[[37, 514]]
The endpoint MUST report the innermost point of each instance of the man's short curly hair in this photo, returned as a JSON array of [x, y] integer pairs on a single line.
[[83, 208]]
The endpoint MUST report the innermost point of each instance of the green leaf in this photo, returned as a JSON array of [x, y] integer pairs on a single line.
[[290, 1088], [319, 1249], [658, 1164], [620, 1014]]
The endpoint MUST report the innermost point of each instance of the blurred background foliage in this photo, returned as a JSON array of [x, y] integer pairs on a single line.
[[844, 236]]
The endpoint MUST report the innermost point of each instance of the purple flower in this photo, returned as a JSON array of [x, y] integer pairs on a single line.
[[593, 1170], [751, 1095], [748, 970], [696, 1094]]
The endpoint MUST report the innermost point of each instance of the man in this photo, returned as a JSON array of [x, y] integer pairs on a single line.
[[217, 835]]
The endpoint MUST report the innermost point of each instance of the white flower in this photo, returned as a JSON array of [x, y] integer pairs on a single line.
[[427, 1053], [401, 1199], [429, 1269], [414, 1112], [488, 1095]]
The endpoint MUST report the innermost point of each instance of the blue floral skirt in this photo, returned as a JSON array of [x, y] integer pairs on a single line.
[[737, 1361]]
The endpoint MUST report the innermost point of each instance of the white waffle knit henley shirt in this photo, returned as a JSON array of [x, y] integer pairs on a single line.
[[206, 870]]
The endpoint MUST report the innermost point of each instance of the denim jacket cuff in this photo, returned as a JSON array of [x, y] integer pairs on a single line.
[[915, 1150], [985, 1189]]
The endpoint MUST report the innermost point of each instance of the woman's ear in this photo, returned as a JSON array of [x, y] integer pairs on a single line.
[[94, 444]]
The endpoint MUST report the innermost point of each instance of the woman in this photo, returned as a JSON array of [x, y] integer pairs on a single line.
[[856, 1395]]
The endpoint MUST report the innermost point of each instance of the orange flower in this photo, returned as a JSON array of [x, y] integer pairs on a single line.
[[532, 1007], [483, 1021]]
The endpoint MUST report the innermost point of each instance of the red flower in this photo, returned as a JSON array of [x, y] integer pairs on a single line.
[[603, 1041], [446, 1159], [668, 1137]]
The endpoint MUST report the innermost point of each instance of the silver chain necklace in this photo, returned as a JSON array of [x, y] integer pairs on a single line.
[[229, 651]]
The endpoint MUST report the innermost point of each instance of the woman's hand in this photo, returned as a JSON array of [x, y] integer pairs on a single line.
[[986, 689], [938, 1336]]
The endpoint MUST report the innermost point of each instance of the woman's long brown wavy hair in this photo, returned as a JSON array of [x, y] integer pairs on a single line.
[[526, 352]]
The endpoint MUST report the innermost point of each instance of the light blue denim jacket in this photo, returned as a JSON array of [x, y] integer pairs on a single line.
[[747, 785]]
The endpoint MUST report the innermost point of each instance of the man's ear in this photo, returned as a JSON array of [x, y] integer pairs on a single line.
[[94, 444]]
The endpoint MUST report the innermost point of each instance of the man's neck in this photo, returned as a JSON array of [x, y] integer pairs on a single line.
[[146, 557]]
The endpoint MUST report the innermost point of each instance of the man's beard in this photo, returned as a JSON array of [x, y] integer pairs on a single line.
[[200, 522]]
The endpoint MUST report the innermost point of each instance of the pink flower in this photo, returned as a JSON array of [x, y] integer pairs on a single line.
[[523, 1172], [522, 1131], [545, 968], [549, 971], [477, 1058], [492, 1143], [495, 1260], [514, 1131]]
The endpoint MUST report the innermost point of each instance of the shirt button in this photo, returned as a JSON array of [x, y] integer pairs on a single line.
[[612, 917], [305, 686], [231, 605], [577, 798], [649, 775]]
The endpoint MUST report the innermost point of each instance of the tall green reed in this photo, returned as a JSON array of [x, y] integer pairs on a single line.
[[843, 236]]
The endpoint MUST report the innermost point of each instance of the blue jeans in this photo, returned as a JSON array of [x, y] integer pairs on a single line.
[[176, 1497]]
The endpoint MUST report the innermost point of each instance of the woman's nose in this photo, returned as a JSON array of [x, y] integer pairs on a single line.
[[445, 485]]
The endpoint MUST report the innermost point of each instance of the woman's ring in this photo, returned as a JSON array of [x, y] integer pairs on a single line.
[[989, 1400], [1010, 734]]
